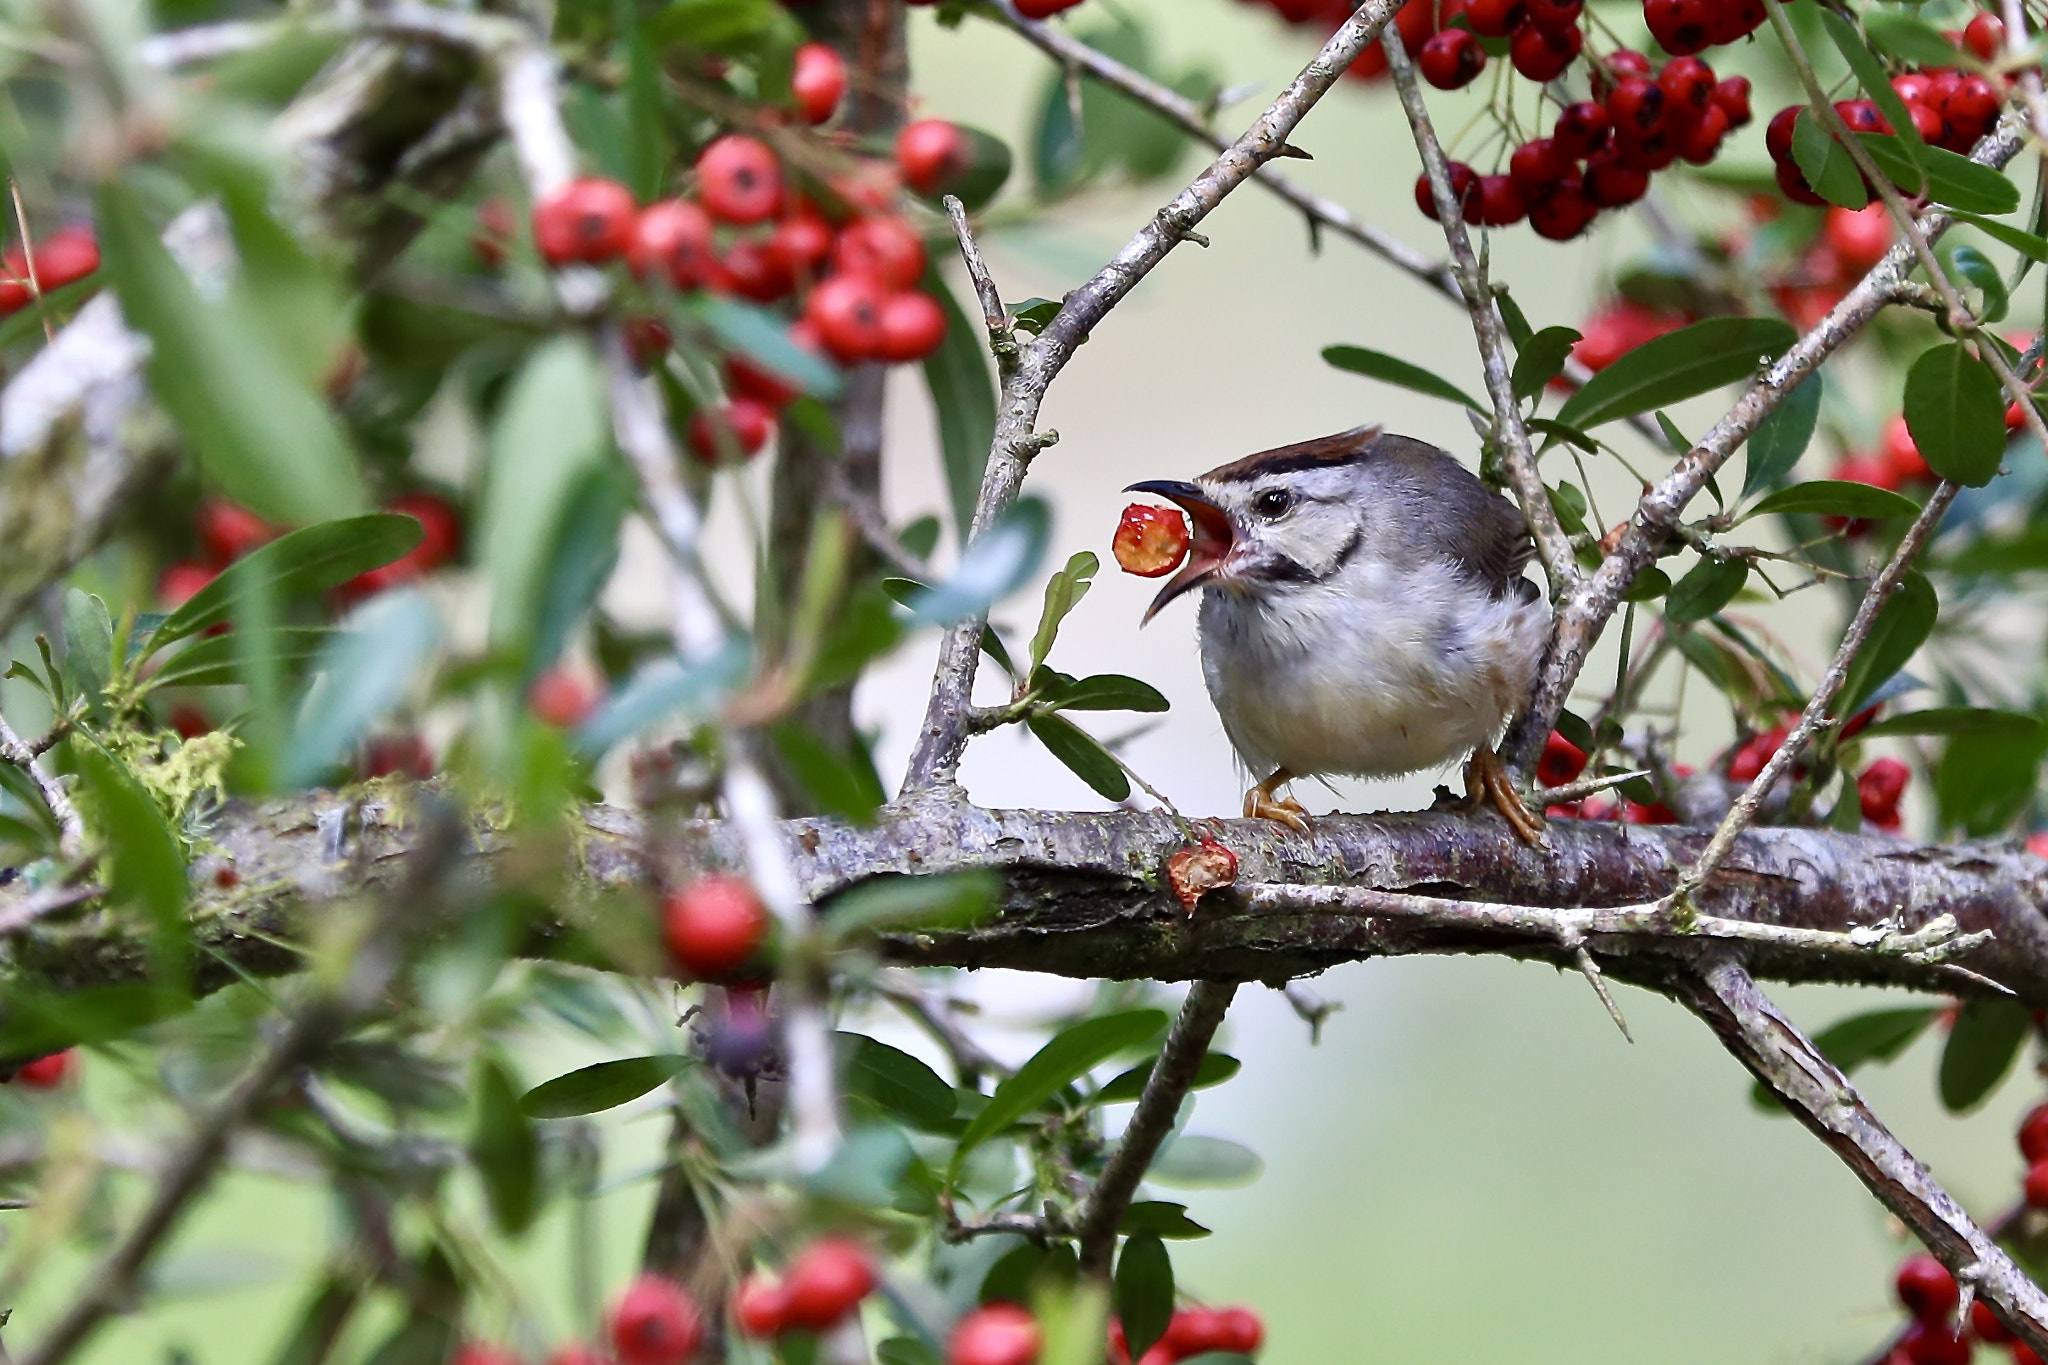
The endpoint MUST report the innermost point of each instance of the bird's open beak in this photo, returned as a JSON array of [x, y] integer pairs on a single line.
[[1210, 546]]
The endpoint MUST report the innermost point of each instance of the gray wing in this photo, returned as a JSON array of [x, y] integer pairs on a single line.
[[1447, 513]]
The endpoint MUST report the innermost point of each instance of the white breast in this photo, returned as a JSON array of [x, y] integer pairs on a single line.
[[1380, 670]]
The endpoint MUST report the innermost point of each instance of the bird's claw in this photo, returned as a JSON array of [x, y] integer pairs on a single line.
[[1263, 805], [1487, 783]]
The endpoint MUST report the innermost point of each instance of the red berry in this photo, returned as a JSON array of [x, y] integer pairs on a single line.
[[930, 152], [47, 1072], [739, 179], [1452, 59], [2033, 1137], [1912, 86], [913, 325], [801, 243], [1878, 790], [750, 268], [1731, 97], [1778, 133], [1562, 761], [1191, 1331], [818, 81], [1688, 86], [1464, 184], [2036, 1185], [1241, 1331], [1582, 129], [1793, 183], [1858, 237], [1620, 64], [1537, 165], [1932, 1343], [589, 220], [440, 541], [1925, 1288], [714, 925], [759, 1305], [1681, 27], [563, 697], [995, 1334], [14, 295], [1501, 201], [1611, 182], [1043, 9], [1555, 14], [672, 236], [1984, 37], [743, 422], [575, 1353], [180, 582], [1969, 112], [1926, 122], [1562, 214], [655, 1322], [70, 254], [2023, 1354], [1986, 1325], [886, 250], [1749, 760], [827, 1281], [1861, 116], [1903, 461], [1542, 54], [1637, 106], [1495, 18], [847, 311], [228, 530], [647, 338], [1699, 141], [402, 755]]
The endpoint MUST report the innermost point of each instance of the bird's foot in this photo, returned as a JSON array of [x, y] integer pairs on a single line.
[[1261, 804], [1486, 783]]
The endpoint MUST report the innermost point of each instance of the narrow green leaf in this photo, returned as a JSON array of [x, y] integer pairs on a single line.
[[1981, 1050], [302, 563], [1956, 412], [1082, 753], [1901, 627], [1977, 268], [1512, 317], [951, 900], [1677, 366], [1957, 720], [661, 689], [88, 644], [2023, 552], [1540, 359], [839, 783], [1910, 38], [1782, 436], [1877, 86], [505, 1152], [1105, 692], [364, 672], [38, 1021], [764, 338], [1394, 370], [1835, 498], [1216, 1068], [1192, 1162], [1144, 1291], [1063, 592], [895, 1081], [1068, 1056], [1709, 586], [997, 563], [2028, 244], [1163, 1220], [1985, 781], [1953, 180], [600, 1086], [1826, 163], [963, 401], [215, 661]]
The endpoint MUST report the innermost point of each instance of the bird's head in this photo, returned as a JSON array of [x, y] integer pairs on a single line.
[[1272, 521]]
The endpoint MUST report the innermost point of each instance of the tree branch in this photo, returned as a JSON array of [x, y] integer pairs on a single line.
[[1822, 1098], [1158, 1109]]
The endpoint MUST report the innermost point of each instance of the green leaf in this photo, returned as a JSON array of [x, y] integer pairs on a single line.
[[1876, 1036], [215, 661], [1835, 498], [1957, 720], [551, 432], [365, 671], [1981, 1050], [885, 904], [1679, 442], [1709, 586], [1102, 692], [1082, 753], [505, 1152], [1216, 1068], [2023, 552], [1977, 268], [998, 561], [39, 1022], [1826, 163], [896, 1082], [1901, 627], [1066, 1057], [585, 551], [1986, 780], [1541, 359], [661, 689], [303, 563], [1190, 1162], [1063, 592], [963, 401], [764, 338], [906, 1351], [1956, 412], [600, 1086], [88, 644], [1164, 1220], [1144, 1291], [147, 863], [1953, 180], [1676, 366], [2026, 243], [1394, 370], [841, 784], [1782, 436], [1877, 86], [258, 430], [1649, 584], [1909, 37]]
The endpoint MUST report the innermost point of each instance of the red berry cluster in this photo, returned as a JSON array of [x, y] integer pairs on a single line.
[[1563, 761], [745, 232], [226, 531], [1192, 1332], [821, 1287], [1895, 464], [47, 1072], [995, 1334], [714, 926], [68, 254], [1930, 1294], [1615, 330]]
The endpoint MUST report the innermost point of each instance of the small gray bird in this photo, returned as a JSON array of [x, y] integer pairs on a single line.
[[1363, 612]]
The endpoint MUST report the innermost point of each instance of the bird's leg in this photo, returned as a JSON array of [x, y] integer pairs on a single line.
[[1261, 804], [1486, 782]]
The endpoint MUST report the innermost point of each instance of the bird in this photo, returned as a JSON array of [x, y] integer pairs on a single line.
[[1363, 613]]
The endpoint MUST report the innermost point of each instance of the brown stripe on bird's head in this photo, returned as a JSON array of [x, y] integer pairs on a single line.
[[1342, 448]]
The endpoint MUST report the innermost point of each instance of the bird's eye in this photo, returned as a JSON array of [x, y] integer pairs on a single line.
[[1272, 502]]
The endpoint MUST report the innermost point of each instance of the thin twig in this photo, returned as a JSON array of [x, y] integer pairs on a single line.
[[1821, 1097], [71, 828], [1815, 716], [970, 1060], [1511, 437], [1002, 337], [1158, 1109]]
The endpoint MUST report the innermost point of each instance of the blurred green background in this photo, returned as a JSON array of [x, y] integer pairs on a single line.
[[1473, 1159]]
